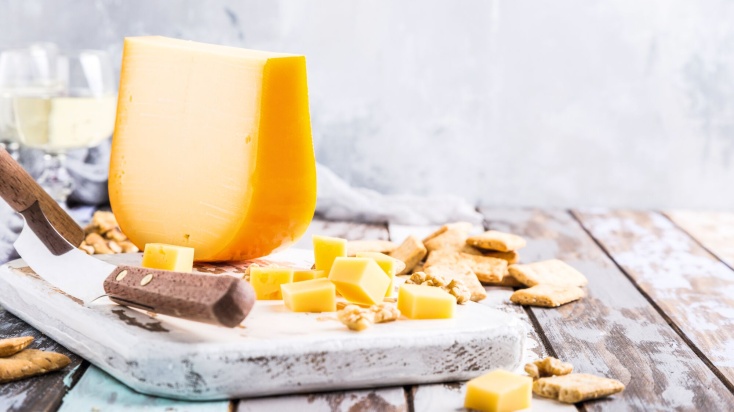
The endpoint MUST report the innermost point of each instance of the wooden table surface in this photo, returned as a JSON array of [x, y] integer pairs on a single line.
[[659, 316]]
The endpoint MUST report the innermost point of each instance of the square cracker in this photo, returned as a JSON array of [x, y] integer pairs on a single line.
[[453, 238], [461, 272], [576, 387], [487, 269], [496, 240], [548, 296], [30, 362], [463, 226], [507, 281], [11, 346], [553, 272], [411, 252], [380, 246]]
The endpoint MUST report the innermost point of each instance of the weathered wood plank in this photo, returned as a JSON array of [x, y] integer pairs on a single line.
[[42, 393], [715, 231], [389, 400], [614, 331], [690, 285], [98, 391], [346, 230]]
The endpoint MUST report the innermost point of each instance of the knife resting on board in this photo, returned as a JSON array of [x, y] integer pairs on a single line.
[[220, 300]]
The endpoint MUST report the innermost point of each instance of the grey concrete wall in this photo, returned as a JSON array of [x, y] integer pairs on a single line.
[[506, 102]]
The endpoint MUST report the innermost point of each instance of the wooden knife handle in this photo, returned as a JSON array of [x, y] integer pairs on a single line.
[[220, 300], [19, 189]]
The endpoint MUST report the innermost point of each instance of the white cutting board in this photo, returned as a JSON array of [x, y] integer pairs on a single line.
[[275, 351]]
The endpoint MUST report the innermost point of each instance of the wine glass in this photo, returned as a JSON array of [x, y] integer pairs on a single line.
[[23, 71], [81, 113]]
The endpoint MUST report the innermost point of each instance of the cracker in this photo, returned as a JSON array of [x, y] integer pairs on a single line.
[[11, 346], [551, 272], [507, 281], [548, 367], [496, 240], [510, 257], [548, 296], [576, 387], [30, 362], [487, 269], [463, 226], [453, 238], [462, 273], [411, 252], [380, 246]]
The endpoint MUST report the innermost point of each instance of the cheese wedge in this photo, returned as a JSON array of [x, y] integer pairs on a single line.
[[499, 391], [212, 148]]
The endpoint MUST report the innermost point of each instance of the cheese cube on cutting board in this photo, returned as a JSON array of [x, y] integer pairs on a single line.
[[168, 257], [359, 280], [301, 275], [267, 281], [317, 295], [212, 148], [425, 302], [386, 263], [326, 249], [499, 391]]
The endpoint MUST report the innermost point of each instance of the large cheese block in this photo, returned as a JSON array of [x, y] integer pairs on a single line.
[[212, 148]]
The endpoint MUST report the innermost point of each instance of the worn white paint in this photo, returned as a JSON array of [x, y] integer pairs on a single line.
[[276, 352]]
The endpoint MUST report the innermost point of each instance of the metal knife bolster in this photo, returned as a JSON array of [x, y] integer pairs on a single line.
[[220, 300]]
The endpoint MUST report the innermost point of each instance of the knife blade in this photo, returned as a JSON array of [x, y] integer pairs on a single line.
[[219, 300]]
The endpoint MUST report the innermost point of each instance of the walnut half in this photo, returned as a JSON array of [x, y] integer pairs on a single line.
[[455, 287]]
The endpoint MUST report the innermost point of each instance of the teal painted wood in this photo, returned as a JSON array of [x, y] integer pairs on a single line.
[[42, 393], [98, 391]]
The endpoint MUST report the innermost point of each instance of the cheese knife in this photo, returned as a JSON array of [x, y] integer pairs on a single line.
[[219, 300]]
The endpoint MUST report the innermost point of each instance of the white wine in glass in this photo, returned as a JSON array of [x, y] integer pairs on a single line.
[[81, 114]]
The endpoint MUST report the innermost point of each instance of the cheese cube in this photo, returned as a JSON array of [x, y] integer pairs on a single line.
[[301, 275], [386, 263], [499, 391], [359, 280], [326, 249], [267, 280], [168, 257], [317, 295], [212, 148], [425, 302]]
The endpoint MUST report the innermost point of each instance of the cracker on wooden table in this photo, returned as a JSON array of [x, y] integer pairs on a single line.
[[487, 269], [30, 362], [549, 366], [462, 226], [576, 387], [411, 252], [507, 281], [381, 246], [462, 273], [547, 296], [11, 346], [451, 239], [552, 272], [496, 240]]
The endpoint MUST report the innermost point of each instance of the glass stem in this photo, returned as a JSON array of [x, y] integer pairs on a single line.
[[55, 179]]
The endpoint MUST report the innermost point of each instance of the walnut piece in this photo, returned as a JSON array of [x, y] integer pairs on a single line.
[[384, 312], [355, 318], [455, 287], [548, 367], [104, 237]]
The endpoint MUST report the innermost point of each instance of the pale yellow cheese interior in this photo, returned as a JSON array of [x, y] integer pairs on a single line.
[[212, 148]]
